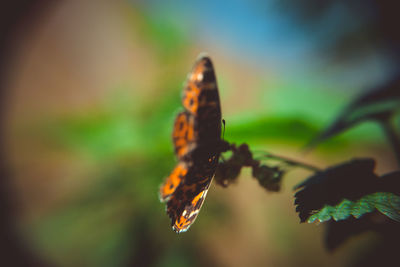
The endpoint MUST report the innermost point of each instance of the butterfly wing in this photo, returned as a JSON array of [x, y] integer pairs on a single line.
[[172, 181], [201, 99], [183, 211], [184, 135], [196, 137], [185, 203], [184, 140]]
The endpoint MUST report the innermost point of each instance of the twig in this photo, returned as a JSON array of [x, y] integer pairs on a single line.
[[291, 162], [392, 136]]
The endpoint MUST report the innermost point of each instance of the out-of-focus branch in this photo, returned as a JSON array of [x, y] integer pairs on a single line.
[[392, 136]]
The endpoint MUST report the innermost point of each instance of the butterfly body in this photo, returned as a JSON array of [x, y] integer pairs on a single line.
[[197, 142]]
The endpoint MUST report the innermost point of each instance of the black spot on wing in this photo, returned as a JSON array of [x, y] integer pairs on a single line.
[[181, 124]]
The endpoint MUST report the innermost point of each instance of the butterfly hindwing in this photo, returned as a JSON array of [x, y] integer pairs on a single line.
[[184, 205], [181, 221]]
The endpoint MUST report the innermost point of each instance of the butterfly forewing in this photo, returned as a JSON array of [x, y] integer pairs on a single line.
[[201, 98], [184, 134], [196, 136]]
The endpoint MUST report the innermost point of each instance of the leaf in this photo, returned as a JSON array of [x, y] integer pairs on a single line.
[[228, 170], [381, 102], [386, 203], [348, 189], [337, 232], [269, 128], [378, 213], [350, 180], [268, 177], [389, 205]]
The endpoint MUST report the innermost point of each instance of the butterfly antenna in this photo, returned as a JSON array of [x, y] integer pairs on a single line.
[[223, 133]]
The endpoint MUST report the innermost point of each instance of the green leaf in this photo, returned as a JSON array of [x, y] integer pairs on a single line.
[[379, 104], [386, 203], [261, 128]]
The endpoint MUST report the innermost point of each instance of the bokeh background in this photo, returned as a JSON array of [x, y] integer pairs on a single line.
[[90, 90]]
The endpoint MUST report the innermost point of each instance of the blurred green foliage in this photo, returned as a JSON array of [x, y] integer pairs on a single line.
[[165, 34], [109, 222], [115, 220]]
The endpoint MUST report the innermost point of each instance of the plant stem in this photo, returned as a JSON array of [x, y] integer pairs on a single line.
[[292, 162], [392, 136]]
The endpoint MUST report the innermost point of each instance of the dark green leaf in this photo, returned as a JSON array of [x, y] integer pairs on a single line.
[[377, 104], [348, 189], [386, 203]]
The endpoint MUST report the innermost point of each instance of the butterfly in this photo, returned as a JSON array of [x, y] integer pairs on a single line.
[[197, 141]]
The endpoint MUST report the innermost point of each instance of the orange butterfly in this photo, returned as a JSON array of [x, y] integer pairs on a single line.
[[197, 141]]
